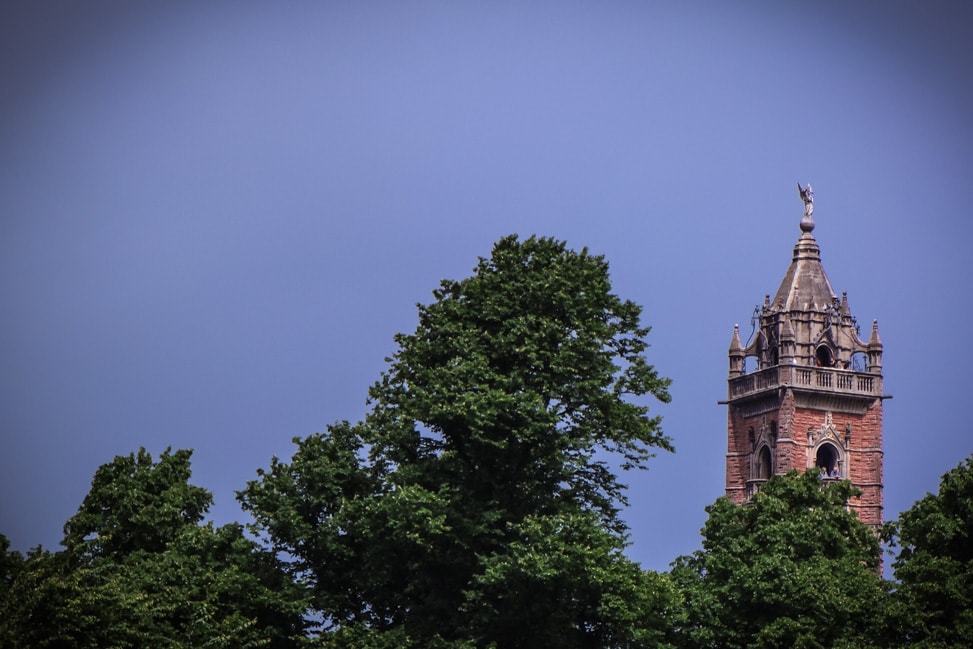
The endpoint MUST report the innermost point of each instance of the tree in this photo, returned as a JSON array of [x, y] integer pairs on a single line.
[[793, 568], [139, 569], [475, 504], [136, 504], [934, 566], [10, 564]]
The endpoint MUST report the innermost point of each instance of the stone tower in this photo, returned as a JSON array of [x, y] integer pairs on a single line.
[[806, 390]]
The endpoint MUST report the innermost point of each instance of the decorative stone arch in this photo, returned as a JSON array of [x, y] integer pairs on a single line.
[[858, 362], [761, 344], [830, 458], [763, 463], [823, 355], [756, 356], [751, 364], [826, 449], [773, 356], [763, 441]]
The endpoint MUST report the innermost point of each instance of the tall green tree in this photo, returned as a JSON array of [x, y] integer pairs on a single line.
[[140, 569], [477, 504], [934, 567], [791, 569]]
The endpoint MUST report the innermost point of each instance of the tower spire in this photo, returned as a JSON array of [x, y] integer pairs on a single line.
[[805, 285]]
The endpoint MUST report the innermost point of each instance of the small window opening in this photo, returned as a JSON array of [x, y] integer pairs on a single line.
[[827, 460], [824, 357]]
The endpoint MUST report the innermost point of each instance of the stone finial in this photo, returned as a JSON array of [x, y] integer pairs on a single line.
[[736, 353], [875, 341], [807, 195], [874, 350], [735, 344]]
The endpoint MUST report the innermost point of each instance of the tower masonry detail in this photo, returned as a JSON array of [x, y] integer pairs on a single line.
[[805, 391]]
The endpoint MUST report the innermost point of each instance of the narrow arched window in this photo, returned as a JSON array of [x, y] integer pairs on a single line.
[[823, 356], [828, 460], [764, 466]]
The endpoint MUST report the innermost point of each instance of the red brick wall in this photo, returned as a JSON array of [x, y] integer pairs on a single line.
[[863, 462], [739, 449], [738, 454], [864, 456], [866, 465]]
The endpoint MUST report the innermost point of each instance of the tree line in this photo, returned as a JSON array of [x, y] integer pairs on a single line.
[[477, 505]]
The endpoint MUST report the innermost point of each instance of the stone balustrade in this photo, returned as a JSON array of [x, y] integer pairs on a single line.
[[753, 487], [810, 378]]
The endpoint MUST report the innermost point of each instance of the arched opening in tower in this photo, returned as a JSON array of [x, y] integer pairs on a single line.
[[823, 356], [750, 364], [764, 467], [828, 461]]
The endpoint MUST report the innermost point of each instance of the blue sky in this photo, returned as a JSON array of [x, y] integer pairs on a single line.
[[214, 217]]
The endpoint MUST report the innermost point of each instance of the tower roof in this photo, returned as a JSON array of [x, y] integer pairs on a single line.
[[805, 286]]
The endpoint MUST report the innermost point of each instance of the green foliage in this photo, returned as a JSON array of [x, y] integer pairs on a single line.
[[476, 502], [570, 559], [139, 570], [136, 504], [794, 568], [935, 565], [10, 564], [476, 507]]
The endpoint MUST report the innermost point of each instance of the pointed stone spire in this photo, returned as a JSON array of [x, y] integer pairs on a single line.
[[874, 350], [875, 340], [806, 323], [805, 285], [736, 352], [735, 344]]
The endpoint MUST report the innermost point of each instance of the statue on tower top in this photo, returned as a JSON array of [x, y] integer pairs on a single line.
[[807, 195]]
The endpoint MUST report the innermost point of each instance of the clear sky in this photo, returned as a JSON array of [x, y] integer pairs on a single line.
[[215, 216]]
